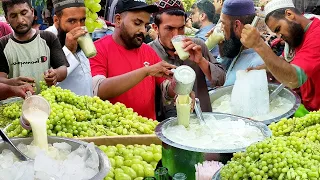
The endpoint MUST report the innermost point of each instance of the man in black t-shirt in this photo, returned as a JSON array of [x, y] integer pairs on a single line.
[[28, 55]]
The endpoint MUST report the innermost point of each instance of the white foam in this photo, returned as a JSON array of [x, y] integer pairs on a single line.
[[221, 134]]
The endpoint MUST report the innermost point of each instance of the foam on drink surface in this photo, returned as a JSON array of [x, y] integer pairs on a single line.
[[215, 134], [38, 121]]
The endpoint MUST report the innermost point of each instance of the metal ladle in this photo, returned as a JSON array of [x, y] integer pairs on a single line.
[[13, 148], [276, 92], [198, 110]]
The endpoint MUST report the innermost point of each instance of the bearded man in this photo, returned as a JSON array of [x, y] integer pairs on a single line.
[[69, 18], [301, 34], [125, 69], [235, 14]]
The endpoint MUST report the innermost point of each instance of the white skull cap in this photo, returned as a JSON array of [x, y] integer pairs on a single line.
[[277, 4]]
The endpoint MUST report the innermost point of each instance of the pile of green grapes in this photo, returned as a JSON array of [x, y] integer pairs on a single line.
[[293, 152], [83, 116], [8, 112], [133, 161]]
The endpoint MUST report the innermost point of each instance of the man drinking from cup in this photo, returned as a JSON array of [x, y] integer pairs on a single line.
[[69, 20], [169, 22]]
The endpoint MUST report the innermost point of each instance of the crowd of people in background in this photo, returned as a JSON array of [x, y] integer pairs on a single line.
[[135, 56]]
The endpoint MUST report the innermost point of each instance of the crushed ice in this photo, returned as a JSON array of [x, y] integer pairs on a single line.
[[59, 163]]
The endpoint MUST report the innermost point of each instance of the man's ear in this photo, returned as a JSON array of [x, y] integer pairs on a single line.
[[55, 19], [290, 15], [237, 28], [203, 16], [117, 20], [155, 27]]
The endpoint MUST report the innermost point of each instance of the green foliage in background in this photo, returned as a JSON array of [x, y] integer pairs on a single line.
[[187, 3]]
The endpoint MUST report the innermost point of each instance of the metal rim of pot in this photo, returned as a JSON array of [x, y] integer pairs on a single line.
[[158, 131]]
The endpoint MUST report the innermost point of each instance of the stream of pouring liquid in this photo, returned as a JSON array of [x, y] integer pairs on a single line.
[[38, 121], [183, 107]]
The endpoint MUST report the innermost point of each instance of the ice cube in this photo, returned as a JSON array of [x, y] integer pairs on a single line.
[[44, 163], [92, 160], [22, 147], [62, 146], [7, 159]]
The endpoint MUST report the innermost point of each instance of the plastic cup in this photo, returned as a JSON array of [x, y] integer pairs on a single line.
[[86, 44], [216, 37], [178, 43], [183, 106]]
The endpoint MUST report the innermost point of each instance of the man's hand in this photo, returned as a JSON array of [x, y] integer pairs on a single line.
[[250, 37], [210, 32], [72, 38], [193, 97], [21, 91], [153, 34], [51, 77], [161, 69], [193, 49], [20, 81]]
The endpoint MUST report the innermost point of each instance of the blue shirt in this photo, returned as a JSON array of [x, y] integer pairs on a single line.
[[248, 58], [202, 35]]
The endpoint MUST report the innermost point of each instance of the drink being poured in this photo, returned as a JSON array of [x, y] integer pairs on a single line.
[[184, 77], [35, 111], [38, 121]]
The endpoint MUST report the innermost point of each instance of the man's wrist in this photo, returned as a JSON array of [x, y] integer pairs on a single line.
[[203, 62], [259, 45]]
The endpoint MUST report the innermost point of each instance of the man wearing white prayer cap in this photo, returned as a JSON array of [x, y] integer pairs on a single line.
[[300, 33]]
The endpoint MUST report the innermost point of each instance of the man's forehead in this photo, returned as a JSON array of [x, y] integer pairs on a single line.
[[18, 7], [272, 23], [141, 15]]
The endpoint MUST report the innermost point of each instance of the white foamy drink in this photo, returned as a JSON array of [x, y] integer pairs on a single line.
[[86, 44], [183, 106], [38, 121], [183, 55], [177, 42], [214, 39]]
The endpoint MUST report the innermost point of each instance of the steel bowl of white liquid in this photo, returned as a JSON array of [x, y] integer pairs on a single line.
[[223, 135], [283, 106]]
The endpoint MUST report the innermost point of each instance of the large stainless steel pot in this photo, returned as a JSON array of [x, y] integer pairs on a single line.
[[287, 93], [181, 158], [104, 164]]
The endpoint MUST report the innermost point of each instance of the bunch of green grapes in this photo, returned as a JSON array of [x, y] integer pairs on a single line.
[[132, 161], [286, 126], [282, 158], [83, 116], [92, 22], [9, 112]]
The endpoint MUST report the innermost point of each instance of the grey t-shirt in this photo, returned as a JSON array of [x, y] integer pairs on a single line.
[[31, 58]]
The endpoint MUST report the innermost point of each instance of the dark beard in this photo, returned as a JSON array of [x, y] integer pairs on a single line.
[[196, 25], [131, 42], [62, 38], [231, 47], [24, 31], [296, 34]]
